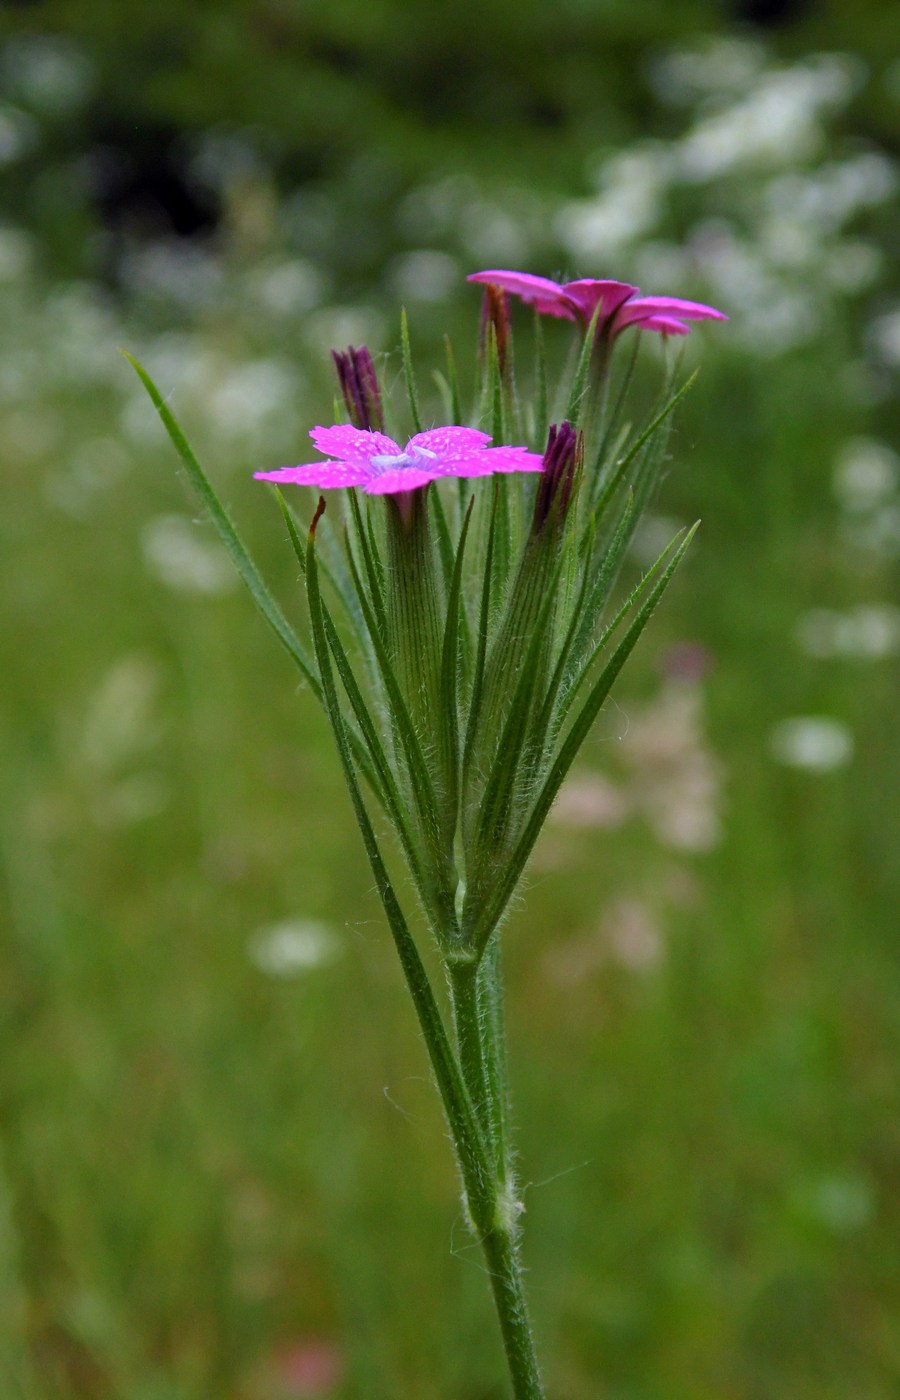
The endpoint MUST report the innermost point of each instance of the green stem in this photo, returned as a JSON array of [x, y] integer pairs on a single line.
[[491, 1015], [477, 995], [470, 1040], [502, 1255], [491, 1209]]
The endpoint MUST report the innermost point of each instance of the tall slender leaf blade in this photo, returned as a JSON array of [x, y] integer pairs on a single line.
[[227, 533], [506, 885], [409, 373], [455, 1097]]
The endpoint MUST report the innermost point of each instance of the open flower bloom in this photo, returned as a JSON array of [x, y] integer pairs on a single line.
[[620, 303], [382, 467]]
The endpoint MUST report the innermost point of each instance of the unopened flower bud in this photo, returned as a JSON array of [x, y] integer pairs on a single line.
[[562, 461], [359, 388]]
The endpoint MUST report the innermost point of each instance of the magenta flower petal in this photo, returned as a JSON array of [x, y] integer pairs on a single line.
[[388, 483], [620, 303], [643, 308], [382, 467], [667, 325], [355, 445], [449, 442], [322, 474], [544, 294], [589, 293], [514, 459]]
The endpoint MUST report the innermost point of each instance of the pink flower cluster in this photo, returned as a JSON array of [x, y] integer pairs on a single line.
[[361, 456], [621, 304]]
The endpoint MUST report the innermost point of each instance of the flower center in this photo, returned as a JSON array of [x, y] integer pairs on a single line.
[[386, 461]]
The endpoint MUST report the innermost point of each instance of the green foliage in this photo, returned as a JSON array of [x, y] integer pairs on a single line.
[[203, 1161]]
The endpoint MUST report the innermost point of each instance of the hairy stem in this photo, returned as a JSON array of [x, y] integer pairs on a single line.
[[477, 997]]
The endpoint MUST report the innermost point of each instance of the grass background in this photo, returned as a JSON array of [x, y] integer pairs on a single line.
[[206, 1168]]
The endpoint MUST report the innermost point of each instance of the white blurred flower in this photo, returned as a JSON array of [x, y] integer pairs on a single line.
[[844, 1203], [48, 71], [632, 186], [139, 420], [629, 933], [333, 327], [590, 800], [814, 742], [852, 265], [778, 123], [120, 720], [676, 779], [863, 634], [721, 66], [18, 134], [884, 335], [633, 934], [171, 269], [92, 468], [877, 533], [866, 474], [294, 945], [494, 234], [249, 395], [289, 288], [654, 534], [826, 198], [423, 275], [16, 253], [771, 312], [179, 556]]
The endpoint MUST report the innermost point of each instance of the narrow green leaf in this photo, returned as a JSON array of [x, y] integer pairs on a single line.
[[498, 426], [579, 616], [417, 769], [615, 415], [333, 569], [442, 530], [456, 413], [367, 767], [585, 665], [496, 807], [607, 489], [542, 409], [391, 797], [579, 383], [370, 566], [484, 627], [408, 372], [589, 609], [450, 669], [228, 534], [506, 885], [501, 558], [454, 1096]]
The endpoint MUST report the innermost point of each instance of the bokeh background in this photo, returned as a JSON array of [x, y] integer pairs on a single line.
[[223, 1174]]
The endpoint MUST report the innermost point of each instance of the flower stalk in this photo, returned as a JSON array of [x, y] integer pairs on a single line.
[[461, 650]]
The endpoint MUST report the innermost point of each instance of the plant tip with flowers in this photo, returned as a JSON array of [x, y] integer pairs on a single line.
[[466, 625]]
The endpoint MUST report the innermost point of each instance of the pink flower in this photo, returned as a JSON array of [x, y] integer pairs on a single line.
[[308, 1370], [621, 304], [382, 467]]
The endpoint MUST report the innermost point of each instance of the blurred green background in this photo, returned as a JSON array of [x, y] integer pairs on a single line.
[[223, 1172]]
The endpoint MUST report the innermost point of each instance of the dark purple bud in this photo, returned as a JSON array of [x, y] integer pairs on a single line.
[[562, 461], [359, 388], [495, 312]]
